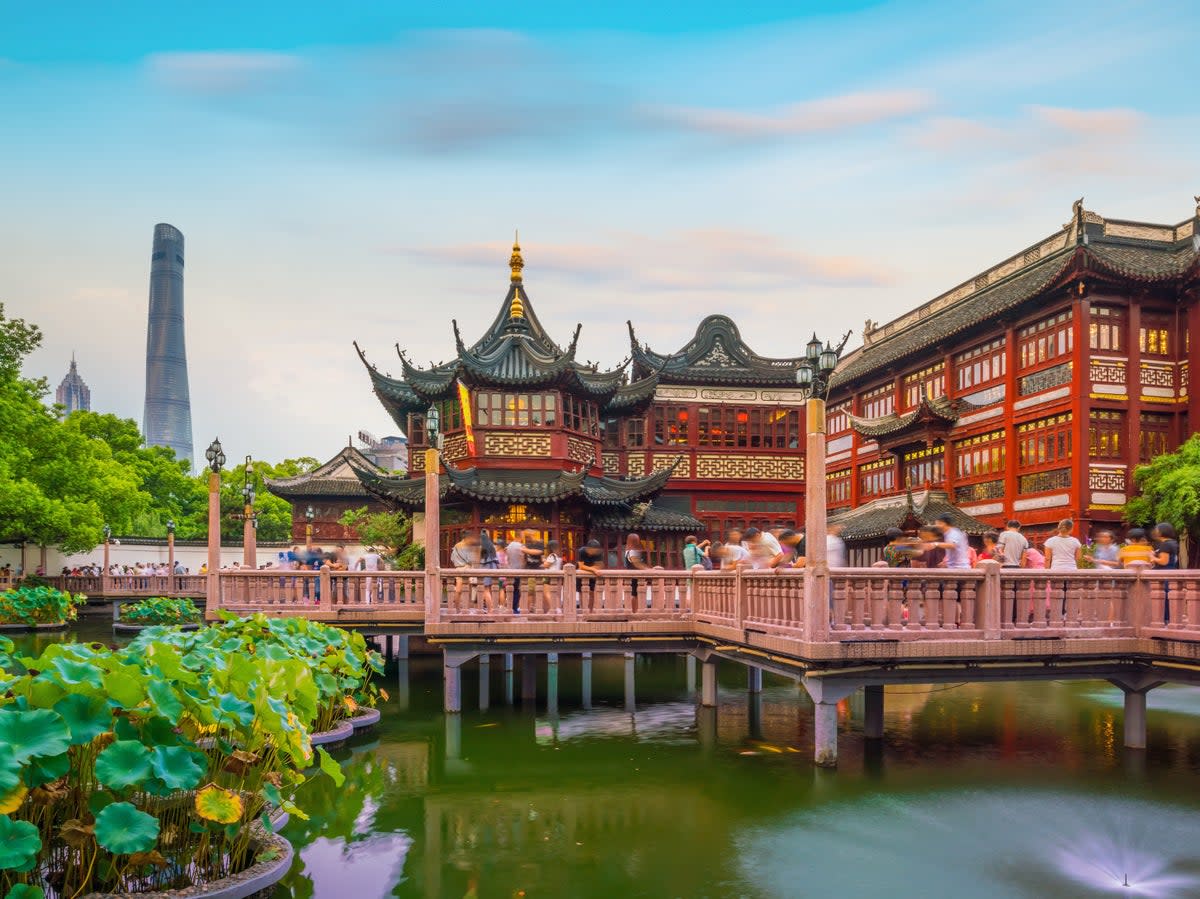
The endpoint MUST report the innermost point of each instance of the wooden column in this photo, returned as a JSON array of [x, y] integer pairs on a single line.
[[1011, 359], [1133, 393], [948, 444], [1081, 406], [1193, 361]]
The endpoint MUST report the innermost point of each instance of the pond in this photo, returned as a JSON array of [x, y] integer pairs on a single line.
[[981, 790]]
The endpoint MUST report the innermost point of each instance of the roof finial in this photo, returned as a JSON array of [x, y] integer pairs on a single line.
[[516, 308]]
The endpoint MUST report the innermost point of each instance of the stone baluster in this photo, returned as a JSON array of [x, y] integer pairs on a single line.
[[879, 595]]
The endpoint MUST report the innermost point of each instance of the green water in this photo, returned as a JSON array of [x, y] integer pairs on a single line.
[[1020, 790]]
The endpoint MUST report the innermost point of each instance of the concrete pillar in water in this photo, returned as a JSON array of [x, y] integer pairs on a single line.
[[754, 716], [402, 646], [873, 711], [706, 727], [552, 684], [528, 678], [691, 674], [708, 683], [452, 674], [508, 661], [454, 736], [587, 680], [826, 693], [389, 648], [402, 684], [1136, 686], [754, 679], [630, 701], [485, 682]]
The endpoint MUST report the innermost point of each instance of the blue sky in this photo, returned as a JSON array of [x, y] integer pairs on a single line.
[[356, 171]]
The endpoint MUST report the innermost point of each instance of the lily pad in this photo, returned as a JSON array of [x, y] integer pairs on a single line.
[[11, 800], [34, 734], [25, 891], [178, 768], [123, 764], [216, 804], [122, 829], [87, 716], [19, 844], [164, 701]]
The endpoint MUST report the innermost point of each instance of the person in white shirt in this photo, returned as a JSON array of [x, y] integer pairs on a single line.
[[733, 553], [371, 561], [954, 542], [835, 548], [1012, 544], [1065, 551], [764, 549]]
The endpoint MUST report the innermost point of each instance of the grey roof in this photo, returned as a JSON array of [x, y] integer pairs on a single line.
[[715, 355], [940, 409], [337, 477], [872, 520], [646, 517]]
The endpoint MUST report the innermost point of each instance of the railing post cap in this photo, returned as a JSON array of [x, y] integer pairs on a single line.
[[988, 564], [570, 566], [881, 564], [1138, 566]]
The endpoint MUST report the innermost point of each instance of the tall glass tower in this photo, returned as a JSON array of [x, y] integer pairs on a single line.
[[167, 419]]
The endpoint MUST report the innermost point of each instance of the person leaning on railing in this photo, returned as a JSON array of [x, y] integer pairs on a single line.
[[589, 560]]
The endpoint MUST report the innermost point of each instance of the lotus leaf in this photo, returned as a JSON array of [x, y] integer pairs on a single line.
[[122, 829], [47, 769], [19, 844], [164, 701], [33, 734], [178, 768], [74, 672], [126, 685], [86, 716], [330, 767], [25, 891], [10, 768], [125, 763], [229, 707], [76, 834], [11, 800], [161, 610], [220, 805]]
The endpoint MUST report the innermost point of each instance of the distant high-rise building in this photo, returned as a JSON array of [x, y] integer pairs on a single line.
[[73, 394], [167, 420]]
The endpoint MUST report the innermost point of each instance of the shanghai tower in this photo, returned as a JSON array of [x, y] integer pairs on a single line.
[[167, 419]]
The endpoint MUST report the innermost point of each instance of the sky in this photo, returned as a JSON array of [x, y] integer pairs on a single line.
[[356, 171]]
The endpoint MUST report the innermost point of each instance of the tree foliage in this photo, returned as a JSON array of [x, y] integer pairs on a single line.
[[1169, 491], [391, 532]]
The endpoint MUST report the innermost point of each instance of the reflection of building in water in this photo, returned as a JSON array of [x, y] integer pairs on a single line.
[[408, 764], [668, 722]]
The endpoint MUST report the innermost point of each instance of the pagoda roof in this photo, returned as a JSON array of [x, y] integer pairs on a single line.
[[338, 477], [716, 355], [928, 411], [1087, 245], [394, 393], [517, 486], [633, 397], [872, 520]]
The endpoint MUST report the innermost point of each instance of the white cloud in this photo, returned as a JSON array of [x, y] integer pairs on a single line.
[[220, 72]]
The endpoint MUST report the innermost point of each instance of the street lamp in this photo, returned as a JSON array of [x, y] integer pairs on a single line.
[[308, 515], [249, 545], [814, 375], [433, 499], [171, 549], [107, 538], [216, 461]]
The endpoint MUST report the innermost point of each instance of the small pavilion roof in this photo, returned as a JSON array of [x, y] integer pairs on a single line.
[[647, 517], [715, 355], [872, 520], [928, 411], [336, 478]]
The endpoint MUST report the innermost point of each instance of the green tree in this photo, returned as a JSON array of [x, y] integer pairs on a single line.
[[1169, 490], [392, 532], [274, 514]]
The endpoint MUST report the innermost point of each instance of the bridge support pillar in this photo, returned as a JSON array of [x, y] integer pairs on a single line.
[[453, 736], [1136, 686], [485, 682], [453, 688], [708, 683], [402, 646], [754, 716], [528, 678], [826, 695], [873, 711], [691, 674], [552, 684], [508, 661], [754, 679], [587, 680], [630, 698]]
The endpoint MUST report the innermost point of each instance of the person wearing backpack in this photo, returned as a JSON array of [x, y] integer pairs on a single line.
[[695, 554]]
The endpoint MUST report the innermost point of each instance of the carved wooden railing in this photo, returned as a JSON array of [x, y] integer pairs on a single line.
[[131, 585]]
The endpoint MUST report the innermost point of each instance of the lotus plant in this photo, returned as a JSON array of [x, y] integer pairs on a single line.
[[38, 605], [161, 610], [156, 766]]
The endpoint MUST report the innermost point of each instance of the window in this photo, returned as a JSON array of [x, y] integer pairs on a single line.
[[611, 432], [1104, 434], [981, 365], [1049, 339], [670, 425], [1153, 337], [969, 493], [979, 456], [923, 466], [1152, 437], [876, 478], [1040, 482], [635, 432], [837, 419], [1044, 442], [879, 402], [748, 427], [450, 414], [416, 429], [928, 382], [837, 486], [516, 410], [1107, 329], [581, 415]]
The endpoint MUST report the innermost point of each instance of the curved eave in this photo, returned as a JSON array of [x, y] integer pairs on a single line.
[[340, 488], [515, 365], [928, 411], [1143, 264], [406, 492], [632, 398], [612, 492], [504, 324], [523, 487], [600, 384], [429, 383]]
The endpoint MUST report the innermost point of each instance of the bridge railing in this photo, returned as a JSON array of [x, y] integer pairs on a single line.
[[370, 593], [131, 585]]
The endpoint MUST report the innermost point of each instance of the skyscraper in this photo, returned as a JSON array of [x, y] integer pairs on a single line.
[[167, 420], [73, 393]]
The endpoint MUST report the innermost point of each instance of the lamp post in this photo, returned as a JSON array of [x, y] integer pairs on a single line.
[[249, 521], [216, 461], [308, 516], [107, 538], [814, 375], [433, 538], [171, 551]]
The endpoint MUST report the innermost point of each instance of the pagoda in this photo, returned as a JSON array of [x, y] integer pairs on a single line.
[[521, 425]]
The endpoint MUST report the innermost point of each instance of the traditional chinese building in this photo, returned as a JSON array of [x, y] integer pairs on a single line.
[[329, 491], [521, 427], [1033, 389]]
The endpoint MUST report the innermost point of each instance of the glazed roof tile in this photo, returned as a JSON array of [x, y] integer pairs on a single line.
[[872, 520], [337, 477], [716, 355], [928, 409]]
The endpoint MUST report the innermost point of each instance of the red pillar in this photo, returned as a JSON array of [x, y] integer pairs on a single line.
[[1193, 362], [1010, 428], [1133, 391], [1081, 405]]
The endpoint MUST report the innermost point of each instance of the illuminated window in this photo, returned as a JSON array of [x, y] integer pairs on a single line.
[[879, 402], [928, 382], [981, 365], [1044, 442], [1107, 329], [877, 478], [979, 456], [1048, 339], [923, 466], [1104, 434]]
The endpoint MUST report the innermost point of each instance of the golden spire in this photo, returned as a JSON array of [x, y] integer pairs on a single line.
[[516, 309]]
